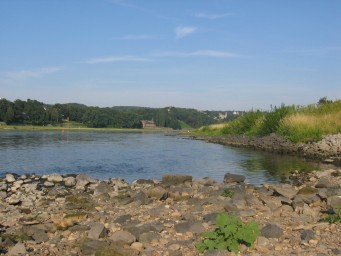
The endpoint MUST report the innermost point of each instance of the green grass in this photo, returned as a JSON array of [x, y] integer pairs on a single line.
[[298, 124]]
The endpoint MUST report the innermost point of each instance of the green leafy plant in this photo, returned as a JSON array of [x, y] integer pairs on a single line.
[[335, 217], [230, 232], [228, 192]]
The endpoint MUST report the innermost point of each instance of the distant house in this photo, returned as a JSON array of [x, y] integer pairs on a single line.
[[148, 124]]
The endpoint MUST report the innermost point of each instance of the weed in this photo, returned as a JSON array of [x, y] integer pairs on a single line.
[[230, 232], [228, 192]]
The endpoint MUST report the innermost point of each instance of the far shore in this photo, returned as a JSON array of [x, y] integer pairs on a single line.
[[65, 128]]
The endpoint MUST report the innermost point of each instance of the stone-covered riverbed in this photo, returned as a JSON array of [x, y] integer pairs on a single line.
[[78, 215]]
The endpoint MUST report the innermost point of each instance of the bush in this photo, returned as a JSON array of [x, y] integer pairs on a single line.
[[230, 232]]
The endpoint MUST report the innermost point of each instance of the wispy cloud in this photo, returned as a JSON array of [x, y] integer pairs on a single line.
[[110, 59], [137, 37], [322, 51], [212, 16], [181, 32], [199, 53], [37, 73]]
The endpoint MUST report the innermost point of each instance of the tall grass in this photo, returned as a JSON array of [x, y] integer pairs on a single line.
[[298, 124]]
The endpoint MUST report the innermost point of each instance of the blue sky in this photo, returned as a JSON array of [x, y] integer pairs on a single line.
[[204, 54]]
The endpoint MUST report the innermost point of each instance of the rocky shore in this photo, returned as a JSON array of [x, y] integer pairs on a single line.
[[327, 150], [78, 215]]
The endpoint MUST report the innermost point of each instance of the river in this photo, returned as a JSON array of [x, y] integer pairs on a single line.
[[134, 156]]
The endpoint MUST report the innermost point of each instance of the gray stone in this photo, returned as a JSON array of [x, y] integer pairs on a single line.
[[79, 228], [324, 182], [190, 226], [247, 213], [211, 218], [334, 201], [123, 237], [30, 188], [157, 192], [82, 180], [147, 237], [97, 231], [271, 231], [285, 190], [138, 230], [119, 184], [176, 179], [102, 188], [307, 235], [142, 198], [10, 178], [69, 181], [3, 186], [48, 184], [55, 178], [40, 236], [90, 246], [232, 178], [262, 241], [123, 219], [18, 249]]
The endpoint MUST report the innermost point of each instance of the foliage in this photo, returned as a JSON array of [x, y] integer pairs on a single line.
[[228, 192], [296, 123], [335, 217], [32, 112], [230, 232]]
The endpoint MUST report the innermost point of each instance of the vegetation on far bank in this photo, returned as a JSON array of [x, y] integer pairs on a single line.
[[296, 123], [32, 112]]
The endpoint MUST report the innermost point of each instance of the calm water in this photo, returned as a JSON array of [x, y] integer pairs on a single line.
[[134, 156]]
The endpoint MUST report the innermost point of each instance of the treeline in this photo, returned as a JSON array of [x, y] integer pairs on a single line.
[[33, 112]]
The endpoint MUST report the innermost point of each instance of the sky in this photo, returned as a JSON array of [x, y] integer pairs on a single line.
[[203, 54]]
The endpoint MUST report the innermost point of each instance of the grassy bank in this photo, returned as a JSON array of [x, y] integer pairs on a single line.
[[66, 128], [298, 124]]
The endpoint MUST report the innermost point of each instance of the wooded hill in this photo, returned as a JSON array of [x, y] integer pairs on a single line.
[[33, 112]]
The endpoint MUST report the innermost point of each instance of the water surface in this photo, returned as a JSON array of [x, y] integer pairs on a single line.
[[134, 156]]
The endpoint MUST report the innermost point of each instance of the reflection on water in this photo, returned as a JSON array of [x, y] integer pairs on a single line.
[[136, 155]]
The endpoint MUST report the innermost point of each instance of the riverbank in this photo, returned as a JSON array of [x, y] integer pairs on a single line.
[[78, 215], [327, 150], [65, 128]]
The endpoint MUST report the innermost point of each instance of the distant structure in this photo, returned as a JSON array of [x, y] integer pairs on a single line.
[[148, 124]]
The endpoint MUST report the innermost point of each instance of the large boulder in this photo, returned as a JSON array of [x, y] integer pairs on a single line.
[[176, 179], [233, 178]]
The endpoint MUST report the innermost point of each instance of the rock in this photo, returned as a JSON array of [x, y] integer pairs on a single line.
[[334, 201], [123, 219], [90, 246], [97, 231], [18, 249], [174, 247], [190, 226], [262, 241], [119, 184], [55, 178], [271, 231], [14, 200], [137, 246], [324, 182], [142, 198], [307, 235], [123, 237], [10, 178], [102, 188], [69, 181], [158, 193], [176, 179], [30, 188], [148, 237], [232, 178], [285, 190], [48, 184], [3, 186], [82, 180]]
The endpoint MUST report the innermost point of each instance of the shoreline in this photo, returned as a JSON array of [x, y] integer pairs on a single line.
[[326, 151], [77, 215]]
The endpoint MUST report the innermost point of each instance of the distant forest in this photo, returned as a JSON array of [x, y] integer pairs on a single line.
[[33, 112]]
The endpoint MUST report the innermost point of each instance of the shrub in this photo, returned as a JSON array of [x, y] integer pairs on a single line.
[[230, 232]]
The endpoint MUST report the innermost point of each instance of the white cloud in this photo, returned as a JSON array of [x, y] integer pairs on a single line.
[[23, 74], [110, 59], [211, 16], [181, 32], [199, 53], [137, 37]]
